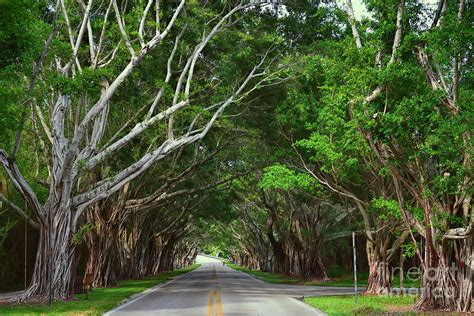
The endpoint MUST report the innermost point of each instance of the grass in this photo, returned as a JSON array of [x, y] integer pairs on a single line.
[[361, 281], [345, 305], [100, 300], [337, 278], [267, 276]]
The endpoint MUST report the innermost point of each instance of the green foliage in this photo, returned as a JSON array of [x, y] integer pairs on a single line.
[[443, 220], [215, 240], [79, 236], [21, 32], [21, 40], [326, 117], [280, 177], [416, 212], [385, 208], [409, 250]]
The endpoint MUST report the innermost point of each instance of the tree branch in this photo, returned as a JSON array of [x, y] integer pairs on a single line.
[[142, 22], [21, 185], [352, 21], [398, 32], [122, 29], [20, 212]]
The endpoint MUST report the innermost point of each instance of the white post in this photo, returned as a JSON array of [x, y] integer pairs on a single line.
[[26, 250], [355, 266], [26, 247]]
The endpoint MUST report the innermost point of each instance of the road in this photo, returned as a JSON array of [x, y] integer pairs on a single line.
[[214, 289]]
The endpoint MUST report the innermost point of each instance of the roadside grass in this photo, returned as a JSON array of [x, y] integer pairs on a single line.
[[100, 300], [367, 304], [266, 276], [338, 278], [361, 282]]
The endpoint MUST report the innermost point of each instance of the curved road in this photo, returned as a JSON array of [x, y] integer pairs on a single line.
[[214, 289]]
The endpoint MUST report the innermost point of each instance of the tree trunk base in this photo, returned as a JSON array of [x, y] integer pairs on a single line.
[[379, 279]]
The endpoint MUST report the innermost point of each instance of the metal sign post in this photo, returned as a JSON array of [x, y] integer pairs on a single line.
[[355, 266], [26, 247]]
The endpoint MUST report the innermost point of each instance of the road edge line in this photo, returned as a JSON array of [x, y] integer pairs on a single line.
[[145, 293], [251, 276]]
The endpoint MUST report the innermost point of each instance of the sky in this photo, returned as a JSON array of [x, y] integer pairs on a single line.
[[360, 10]]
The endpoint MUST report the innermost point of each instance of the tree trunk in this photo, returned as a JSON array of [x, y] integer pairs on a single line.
[[54, 272], [379, 281], [464, 301], [317, 268], [102, 256], [439, 287], [103, 238], [314, 266], [157, 256], [447, 282], [281, 260]]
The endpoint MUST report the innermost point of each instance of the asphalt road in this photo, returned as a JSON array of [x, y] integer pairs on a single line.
[[214, 289]]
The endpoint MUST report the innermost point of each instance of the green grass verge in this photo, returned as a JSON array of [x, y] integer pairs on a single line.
[[267, 276], [100, 300], [361, 282], [345, 305], [339, 280]]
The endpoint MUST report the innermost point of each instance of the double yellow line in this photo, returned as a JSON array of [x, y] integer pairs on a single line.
[[217, 294], [210, 303]]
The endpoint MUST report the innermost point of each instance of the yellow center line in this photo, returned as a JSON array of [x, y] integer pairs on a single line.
[[217, 294], [210, 304], [219, 303]]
